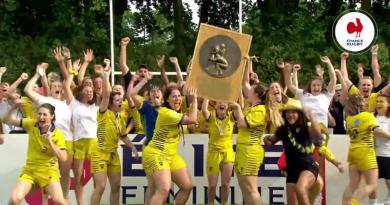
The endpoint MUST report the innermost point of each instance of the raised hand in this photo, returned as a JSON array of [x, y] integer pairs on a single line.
[[160, 60], [3, 70], [192, 93], [66, 52], [280, 64], [325, 59], [254, 58], [344, 55], [41, 69], [360, 69], [107, 62], [297, 67], [125, 41], [173, 60], [319, 70], [24, 76], [374, 49], [234, 106], [98, 69], [88, 55], [149, 76], [76, 65], [58, 54]]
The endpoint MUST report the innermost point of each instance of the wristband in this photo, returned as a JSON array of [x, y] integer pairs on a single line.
[[73, 71]]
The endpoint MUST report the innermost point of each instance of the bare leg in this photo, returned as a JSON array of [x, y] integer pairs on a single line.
[[211, 191], [20, 190], [182, 179], [248, 186], [226, 175], [55, 191], [100, 180], [115, 181]]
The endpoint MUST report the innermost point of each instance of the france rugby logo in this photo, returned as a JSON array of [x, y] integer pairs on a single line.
[[354, 31]]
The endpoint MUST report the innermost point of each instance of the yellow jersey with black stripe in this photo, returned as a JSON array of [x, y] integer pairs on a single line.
[[135, 115], [371, 100], [110, 127], [28, 108], [39, 152], [167, 132], [360, 129], [256, 120], [220, 131]]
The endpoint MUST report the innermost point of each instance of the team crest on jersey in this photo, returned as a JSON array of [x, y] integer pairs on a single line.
[[356, 122]]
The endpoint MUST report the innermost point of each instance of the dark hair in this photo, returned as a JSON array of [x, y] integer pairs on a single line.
[[112, 96], [143, 66], [260, 89], [354, 105], [301, 122], [79, 94], [166, 95], [323, 87], [151, 87], [51, 109]]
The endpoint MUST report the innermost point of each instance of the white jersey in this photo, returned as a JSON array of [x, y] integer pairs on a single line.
[[63, 115], [382, 145], [319, 104], [84, 119]]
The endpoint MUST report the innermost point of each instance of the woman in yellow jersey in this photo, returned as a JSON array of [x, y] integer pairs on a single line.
[[302, 182], [160, 157], [249, 151], [220, 155], [105, 161], [46, 146], [63, 119], [362, 127]]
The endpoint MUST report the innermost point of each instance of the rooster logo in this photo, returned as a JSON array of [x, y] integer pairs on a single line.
[[352, 27]]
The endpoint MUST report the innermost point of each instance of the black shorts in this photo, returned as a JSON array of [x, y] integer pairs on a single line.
[[293, 172], [383, 167]]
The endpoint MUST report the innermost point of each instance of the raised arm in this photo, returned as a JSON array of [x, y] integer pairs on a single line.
[[16, 83], [175, 63], [192, 116], [123, 55], [88, 57], [57, 53], [134, 90], [2, 71], [294, 76], [205, 110], [29, 88], [106, 87], [11, 118], [238, 114], [287, 78], [343, 68], [360, 71], [245, 81], [332, 75], [344, 90], [375, 65], [68, 90], [160, 59]]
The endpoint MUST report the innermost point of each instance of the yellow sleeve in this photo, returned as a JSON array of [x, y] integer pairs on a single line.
[[372, 123], [170, 117], [27, 108], [353, 90], [28, 123], [256, 117], [59, 139], [372, 102]]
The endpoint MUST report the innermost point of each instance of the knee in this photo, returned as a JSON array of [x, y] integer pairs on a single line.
[[187, 187], [301, 190], [59, 200], [225, 186], [163, 191], [212, 188], [99, 188], [115, 188]]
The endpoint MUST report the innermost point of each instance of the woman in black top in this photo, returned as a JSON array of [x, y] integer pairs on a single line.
[[299, 139]]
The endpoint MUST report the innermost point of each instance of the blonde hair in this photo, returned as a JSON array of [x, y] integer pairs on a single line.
[[274, 116]]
